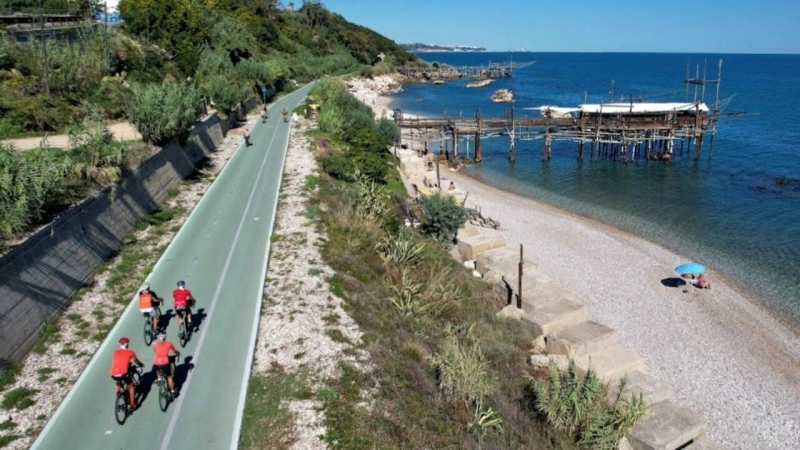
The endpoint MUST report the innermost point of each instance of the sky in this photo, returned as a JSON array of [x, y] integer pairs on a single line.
[[675, 26]]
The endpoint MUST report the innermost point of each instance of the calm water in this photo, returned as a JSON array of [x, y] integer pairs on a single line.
[[729, 212]]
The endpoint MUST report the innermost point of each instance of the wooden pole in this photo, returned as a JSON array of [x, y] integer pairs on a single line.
[[438, 181], [478, 155], [44, 50], [519, 280]]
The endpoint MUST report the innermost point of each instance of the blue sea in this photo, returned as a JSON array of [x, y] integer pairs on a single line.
[[737, 212]]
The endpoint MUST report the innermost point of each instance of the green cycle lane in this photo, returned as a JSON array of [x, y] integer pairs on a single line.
[[221, 252]]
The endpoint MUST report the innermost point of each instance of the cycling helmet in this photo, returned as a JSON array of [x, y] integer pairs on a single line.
[[181, 283], [123, 342], [161, 335], [146, 287]]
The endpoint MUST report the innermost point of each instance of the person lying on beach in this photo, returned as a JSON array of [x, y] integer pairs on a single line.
[[701, 282]]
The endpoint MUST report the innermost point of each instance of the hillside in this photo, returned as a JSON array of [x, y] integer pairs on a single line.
[[222, 47]]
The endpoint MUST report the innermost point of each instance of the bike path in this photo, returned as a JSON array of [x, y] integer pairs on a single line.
[[221, 252]]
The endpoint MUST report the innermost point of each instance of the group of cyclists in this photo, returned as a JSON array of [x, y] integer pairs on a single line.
[[124, 360], [265, 115]]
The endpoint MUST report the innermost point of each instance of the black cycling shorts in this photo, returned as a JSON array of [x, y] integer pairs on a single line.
[[165, 368], [125, 379]]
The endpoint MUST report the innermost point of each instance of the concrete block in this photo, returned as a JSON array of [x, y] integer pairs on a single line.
[[548, 317], [610, 363], [469, 247], [543, 361], [511, 312], [499, 258], [653, 390], [704, 443], [668, 426], [469, 230], [581, 339]]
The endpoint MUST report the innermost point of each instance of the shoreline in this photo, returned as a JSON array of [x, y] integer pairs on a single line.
[[727, 355]]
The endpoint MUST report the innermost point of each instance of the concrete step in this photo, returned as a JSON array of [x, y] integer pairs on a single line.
[[502, 259], [653, 390], [581, 339], [611, 363], [668, 426], [469, 247], [550, 315], [704, 443]]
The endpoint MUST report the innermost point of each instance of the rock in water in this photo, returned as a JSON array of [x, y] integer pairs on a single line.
[[503, 95]]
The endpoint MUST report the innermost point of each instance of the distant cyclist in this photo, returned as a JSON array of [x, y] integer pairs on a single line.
[[264, 115], [161, 364], [183, 301], [121, 362], [148, 302], [285, 115]]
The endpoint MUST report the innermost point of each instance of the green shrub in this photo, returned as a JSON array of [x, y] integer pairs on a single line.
[[388, 130], [225, 94], [442, 218], [166, 111], [402, 249], [579, 406], [463, 370]]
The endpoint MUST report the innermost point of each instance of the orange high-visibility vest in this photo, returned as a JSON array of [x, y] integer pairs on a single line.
[[145, 301]]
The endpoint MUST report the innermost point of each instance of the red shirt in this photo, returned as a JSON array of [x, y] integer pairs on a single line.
[[162, 352], [121, 360], [180, 296]]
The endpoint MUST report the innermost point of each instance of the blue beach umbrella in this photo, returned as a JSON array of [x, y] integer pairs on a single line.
[[691, 268]]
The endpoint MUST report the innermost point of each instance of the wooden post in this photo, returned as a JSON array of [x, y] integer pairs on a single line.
[[512, 155], [478, 155], [580, 149], [519, 279], [455, 144], [44, 50], [438, 181]]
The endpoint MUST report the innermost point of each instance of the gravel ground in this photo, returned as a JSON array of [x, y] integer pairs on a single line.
[[727, 358], [64, 360], [300, 312]]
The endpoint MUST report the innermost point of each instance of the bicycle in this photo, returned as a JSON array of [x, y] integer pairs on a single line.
[[149, 331], [184, 332], [164, 394], [122, 406]]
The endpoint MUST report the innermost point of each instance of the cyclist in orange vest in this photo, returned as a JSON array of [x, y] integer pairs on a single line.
[[148, 301], [161, 364], [121, 362]]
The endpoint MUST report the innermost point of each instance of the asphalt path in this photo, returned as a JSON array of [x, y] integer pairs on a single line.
[[221, 252]]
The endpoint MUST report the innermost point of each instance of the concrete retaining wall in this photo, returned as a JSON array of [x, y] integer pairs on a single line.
[[38, 277]]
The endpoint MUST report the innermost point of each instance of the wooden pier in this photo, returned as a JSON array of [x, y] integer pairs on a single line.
[[616, 131]]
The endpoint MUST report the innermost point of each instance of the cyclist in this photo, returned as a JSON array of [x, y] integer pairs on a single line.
[[161, 364], [121, 362], [285, 115], [148, 301], [183, 301], [264, 115]]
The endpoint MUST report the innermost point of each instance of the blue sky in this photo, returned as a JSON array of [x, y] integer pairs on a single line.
[[682, 26]]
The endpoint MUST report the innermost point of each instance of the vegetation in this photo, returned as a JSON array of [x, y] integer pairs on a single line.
[[445, 372], [579, 406]]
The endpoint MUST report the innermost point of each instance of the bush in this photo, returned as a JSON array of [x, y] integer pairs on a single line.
[[442, 218], [463, 371], [338, 166], [225, 94], [388, 131], [166, 111], [579, 406]]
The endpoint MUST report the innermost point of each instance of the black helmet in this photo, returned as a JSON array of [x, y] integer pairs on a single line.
[[181, 283]]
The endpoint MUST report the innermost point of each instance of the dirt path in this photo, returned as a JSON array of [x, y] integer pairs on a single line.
[[122, 131]]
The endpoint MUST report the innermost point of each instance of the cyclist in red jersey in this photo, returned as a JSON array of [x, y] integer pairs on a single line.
[[161, 364], [183, 301], [121, 362]]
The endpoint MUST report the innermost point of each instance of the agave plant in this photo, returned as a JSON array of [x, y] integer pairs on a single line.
[[485, 419], [404, 295], [403, 249]]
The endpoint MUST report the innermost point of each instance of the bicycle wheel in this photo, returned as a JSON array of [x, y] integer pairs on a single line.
[[121, 407], [182, 335], [148, 332], [158, 316], [163, 394]]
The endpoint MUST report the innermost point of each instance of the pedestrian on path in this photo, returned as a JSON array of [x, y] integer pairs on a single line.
[[247, 137]]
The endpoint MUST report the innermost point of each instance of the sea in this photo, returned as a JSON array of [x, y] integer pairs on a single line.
[[736, 211]]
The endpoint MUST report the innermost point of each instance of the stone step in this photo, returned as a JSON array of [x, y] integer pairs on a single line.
[[581, 339], [550, 315], [469, 247], [653, 390], [501, 259], [611, 363], [668, 426], [704, 443]]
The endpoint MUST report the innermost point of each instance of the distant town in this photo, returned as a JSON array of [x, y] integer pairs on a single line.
[[419, 48]]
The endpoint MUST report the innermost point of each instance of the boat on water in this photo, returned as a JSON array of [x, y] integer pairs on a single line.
[[502, 96], [438, 82], [480, 83]]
